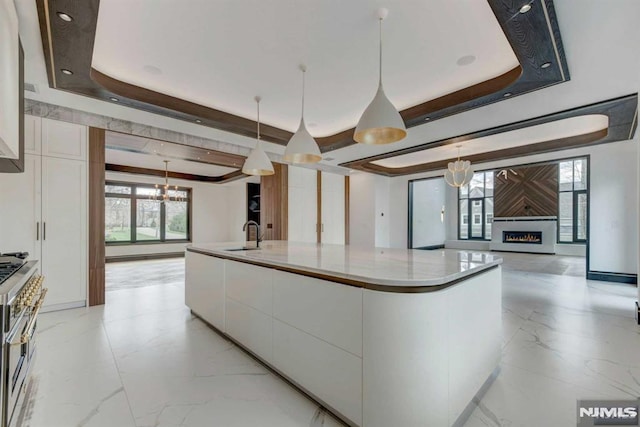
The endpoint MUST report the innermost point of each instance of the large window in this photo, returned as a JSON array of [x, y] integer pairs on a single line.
[[572, 201], [137, 213], [476, 203]]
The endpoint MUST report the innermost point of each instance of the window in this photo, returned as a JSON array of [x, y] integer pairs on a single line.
[[133, 214], [476, 202], [572, 201]]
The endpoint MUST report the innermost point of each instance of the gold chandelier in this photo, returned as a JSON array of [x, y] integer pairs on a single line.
[[161, 192]]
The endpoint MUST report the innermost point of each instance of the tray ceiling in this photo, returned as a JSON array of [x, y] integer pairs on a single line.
[[221, 54]]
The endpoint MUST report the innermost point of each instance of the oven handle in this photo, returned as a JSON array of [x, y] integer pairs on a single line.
[[28, 334]]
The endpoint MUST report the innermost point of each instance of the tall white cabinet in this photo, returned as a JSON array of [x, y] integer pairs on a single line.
[[303, 206], [44, 209], [332, 208]]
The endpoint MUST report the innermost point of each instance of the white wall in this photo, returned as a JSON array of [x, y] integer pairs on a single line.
[[216, 214], [382, 211], [428, 202], [613, 204]]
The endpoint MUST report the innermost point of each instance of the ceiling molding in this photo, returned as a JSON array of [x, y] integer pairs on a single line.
[[622, 114], [222, 179], [534, 37]]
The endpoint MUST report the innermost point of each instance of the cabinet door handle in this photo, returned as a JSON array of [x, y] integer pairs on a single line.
[[44, 231], [37, 230], [323, 227]]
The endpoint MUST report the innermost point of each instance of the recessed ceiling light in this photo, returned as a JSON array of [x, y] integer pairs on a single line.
[[526, 8], [199, 158], [67, 72], [508, 94], [546, 65], [198, 121], [64, 16], [426, 119], [465, 60], [114, 99], [162, 144], [152, 70], [208, 152]]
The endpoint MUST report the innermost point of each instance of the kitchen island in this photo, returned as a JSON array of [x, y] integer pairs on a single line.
[[381, 337]]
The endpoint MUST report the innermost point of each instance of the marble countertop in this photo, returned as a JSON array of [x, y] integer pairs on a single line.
[[358, 265]]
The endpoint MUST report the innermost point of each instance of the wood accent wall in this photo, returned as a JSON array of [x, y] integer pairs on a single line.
[[96, 216], [530, 191], [274, 203]]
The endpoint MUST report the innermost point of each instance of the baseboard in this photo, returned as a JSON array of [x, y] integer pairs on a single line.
[[430, 248], [607, 276], [64, 306], [142, 257]]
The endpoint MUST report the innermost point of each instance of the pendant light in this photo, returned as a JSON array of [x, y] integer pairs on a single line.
[[258, 163], [302, 148], [380, 123], [459, 173]]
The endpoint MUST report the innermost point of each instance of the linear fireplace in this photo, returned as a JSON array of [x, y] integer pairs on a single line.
[[529, 237]]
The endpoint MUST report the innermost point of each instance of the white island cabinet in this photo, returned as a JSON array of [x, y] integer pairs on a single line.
[[380, 337]]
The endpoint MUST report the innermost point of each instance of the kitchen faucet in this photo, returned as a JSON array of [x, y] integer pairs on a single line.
[[250, 223]]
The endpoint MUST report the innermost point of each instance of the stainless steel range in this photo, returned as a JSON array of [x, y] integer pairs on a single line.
[[21, 296]]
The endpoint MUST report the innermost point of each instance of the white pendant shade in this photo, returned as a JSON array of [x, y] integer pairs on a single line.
[[258, 163], [459, 173], [380, 123], [302, 148]]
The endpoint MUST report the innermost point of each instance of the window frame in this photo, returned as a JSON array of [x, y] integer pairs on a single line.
[[470, 205], [574, 205], [133, 205]]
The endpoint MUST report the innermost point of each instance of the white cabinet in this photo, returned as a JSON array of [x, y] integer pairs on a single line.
[[303, 206], [333, 208], [20, 222], [205, 295], [65, 140], [45, 212]]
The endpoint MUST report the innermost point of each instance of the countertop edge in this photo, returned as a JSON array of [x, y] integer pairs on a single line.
[[359, 282]]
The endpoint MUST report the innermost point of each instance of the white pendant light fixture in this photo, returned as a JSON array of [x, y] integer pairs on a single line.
[[459, 173], [380, 123], [258, 163], [302, 148]]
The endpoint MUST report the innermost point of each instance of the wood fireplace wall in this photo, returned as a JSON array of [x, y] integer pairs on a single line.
[[526, 191]]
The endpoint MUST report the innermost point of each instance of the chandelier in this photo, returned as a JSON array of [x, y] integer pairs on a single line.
[[161, 192], [459, 173]]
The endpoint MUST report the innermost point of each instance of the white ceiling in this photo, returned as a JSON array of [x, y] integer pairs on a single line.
[[545, 132], [600, 42], [222, 53]]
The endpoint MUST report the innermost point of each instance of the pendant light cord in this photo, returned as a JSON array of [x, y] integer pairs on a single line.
[[380, 56], [303, 68], [257, 98]]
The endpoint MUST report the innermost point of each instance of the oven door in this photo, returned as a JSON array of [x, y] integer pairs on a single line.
[[17, 354]]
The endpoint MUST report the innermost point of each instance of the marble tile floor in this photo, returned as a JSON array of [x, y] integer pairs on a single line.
[[143, 360]]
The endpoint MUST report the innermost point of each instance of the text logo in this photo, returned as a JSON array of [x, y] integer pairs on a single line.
[[608, 413]]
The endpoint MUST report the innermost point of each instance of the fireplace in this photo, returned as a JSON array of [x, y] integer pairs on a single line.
[[528, 237]]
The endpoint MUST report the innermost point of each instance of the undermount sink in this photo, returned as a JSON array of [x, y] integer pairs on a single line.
[[244, 248]]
